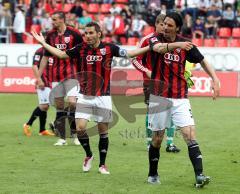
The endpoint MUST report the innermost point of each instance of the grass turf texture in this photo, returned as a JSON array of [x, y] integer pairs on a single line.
[[34, 165]]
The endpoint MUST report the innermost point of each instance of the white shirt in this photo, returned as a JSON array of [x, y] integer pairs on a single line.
[[19, 23]]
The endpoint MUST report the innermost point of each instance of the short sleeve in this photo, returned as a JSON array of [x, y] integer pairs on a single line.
[[36, 59], [74, 52], [194, 55], [118, 52]]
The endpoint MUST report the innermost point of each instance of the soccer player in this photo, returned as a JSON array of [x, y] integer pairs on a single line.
[[64, 70], [94, 101], [168, 98], [43, 96], [145, 60]]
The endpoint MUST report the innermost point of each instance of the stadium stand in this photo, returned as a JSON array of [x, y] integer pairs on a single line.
[[127, 10]]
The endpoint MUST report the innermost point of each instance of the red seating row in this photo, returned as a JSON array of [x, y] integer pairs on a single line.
[[228, 32], [221, 42]]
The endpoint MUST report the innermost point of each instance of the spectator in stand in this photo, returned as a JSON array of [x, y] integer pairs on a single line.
[[198, 29], [84, 20], [71, 20], [170, 4], [228, 17], [38, 13], [19, 24], [46, 24], [215, 13], [210, 26], [137, 26], [152, 13], [153, 4], [115, 8], [118, 27], [203, 7], [217, 3], [9, 4], [187, 26], [192, 8], [108, 24], [5, 21], [77, 9]]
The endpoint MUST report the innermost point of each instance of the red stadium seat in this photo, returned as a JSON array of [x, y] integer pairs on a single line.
[[107, 39], [84, 6], [222, 42], [92, 16], [48, 8], [236, 33], [123, 40], [235, 43], [132, 41], [67, 7], [93, 8], [197, 41], [225, 32], [36, 28], [105, 8], [59, 7], [209, 42], [121, 1], [122, 6], [148, 30]]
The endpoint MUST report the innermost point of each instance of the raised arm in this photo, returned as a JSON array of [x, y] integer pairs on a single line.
[[57, 52], [211, 72], [168, 47], [138, 51]]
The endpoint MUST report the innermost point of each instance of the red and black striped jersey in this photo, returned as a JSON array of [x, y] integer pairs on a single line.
[[64, 68], [95, 67], [47, 72], [168, 69]]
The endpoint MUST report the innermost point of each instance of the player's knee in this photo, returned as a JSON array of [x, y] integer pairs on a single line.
[[157, 139], [44, 107]]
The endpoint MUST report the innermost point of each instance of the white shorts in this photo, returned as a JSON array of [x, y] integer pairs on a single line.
[[96, 108], [69, 87], [43, 95], [164, 110]]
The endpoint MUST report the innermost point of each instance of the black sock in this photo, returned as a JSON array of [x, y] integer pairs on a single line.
[[195, 157], [60, 124], [153, 156], [72, 123], [103, 147], [37, 111], [84, 140], [43, 119]]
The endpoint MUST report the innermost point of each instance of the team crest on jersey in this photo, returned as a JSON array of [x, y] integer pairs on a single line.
[[103, 51], [67, 39], [37, 58], [178, 50], [50, 61], [154, 39]]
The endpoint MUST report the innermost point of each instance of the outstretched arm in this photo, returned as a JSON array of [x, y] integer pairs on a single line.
[[210, 71], [60, 54], [138, 51]]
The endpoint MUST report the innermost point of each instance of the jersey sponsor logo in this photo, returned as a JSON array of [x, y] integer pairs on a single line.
[[171, 57], [67, 39], [201, 85], [37, 57], [18, 81], [103, 51], [93, 58], [61, 46]]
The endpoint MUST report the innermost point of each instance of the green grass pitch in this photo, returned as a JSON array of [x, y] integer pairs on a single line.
[[33, 165]]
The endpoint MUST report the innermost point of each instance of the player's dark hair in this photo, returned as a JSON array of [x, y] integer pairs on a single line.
[[60, 14], [177, 18], [96, 26]]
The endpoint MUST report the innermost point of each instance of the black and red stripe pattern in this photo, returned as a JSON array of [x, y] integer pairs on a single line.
[[168, 70], [47, 72], [64, 68], [95, 67]]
